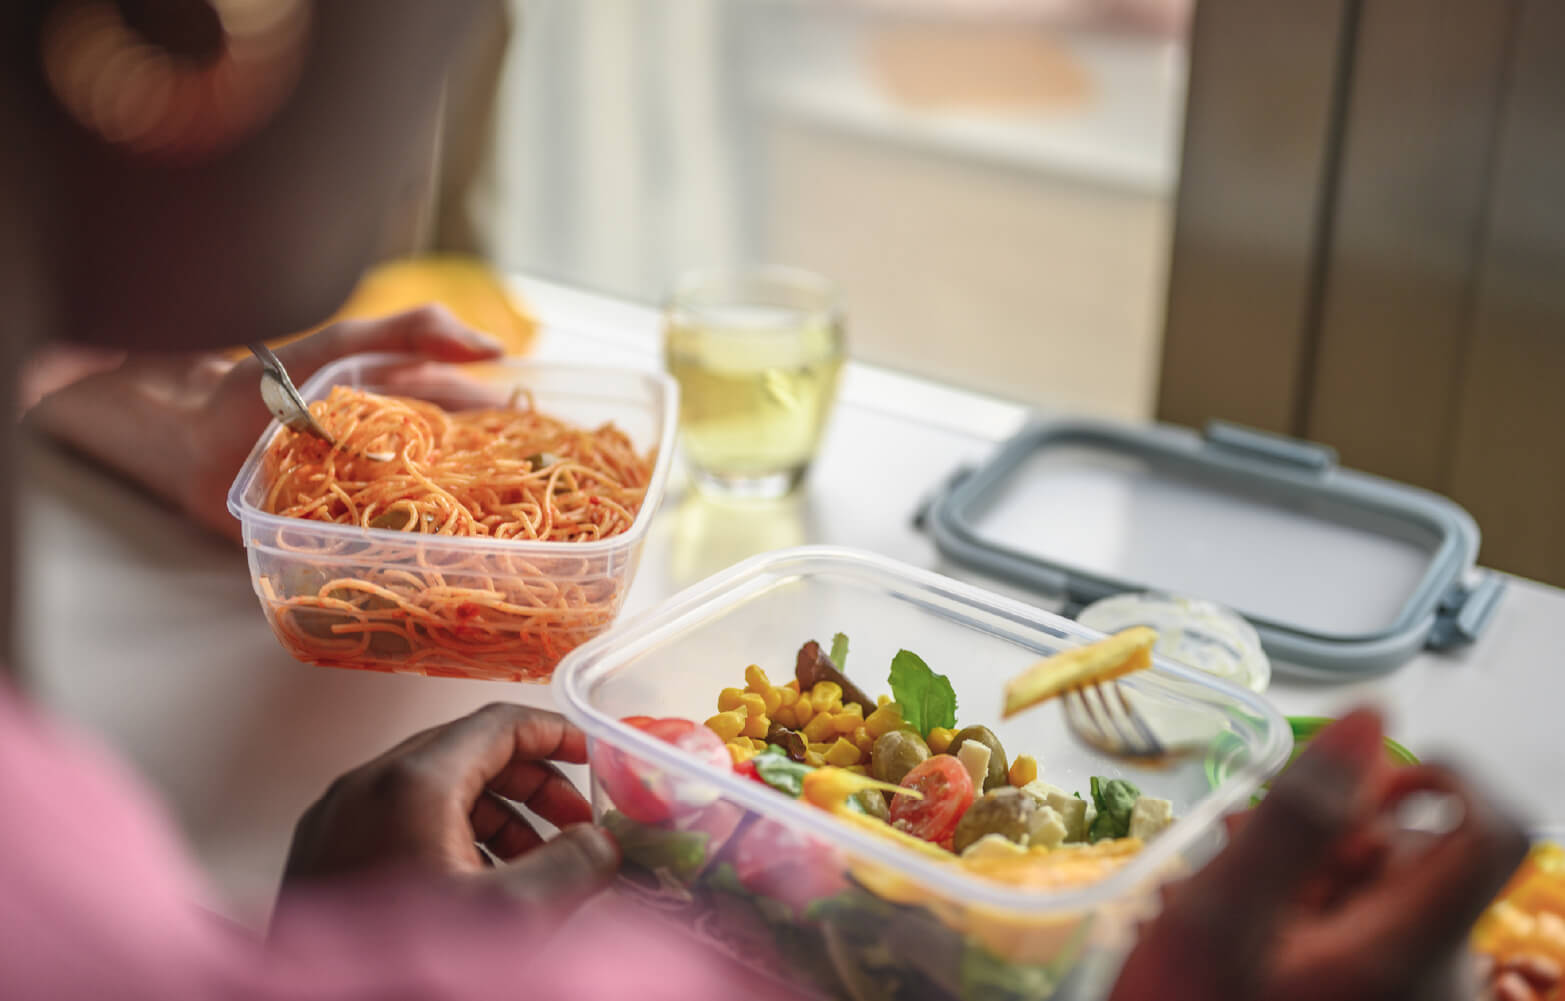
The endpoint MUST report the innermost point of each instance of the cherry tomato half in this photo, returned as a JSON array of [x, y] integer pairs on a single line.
[[695, 739], [947, 793], [644, 793], [786, 865]]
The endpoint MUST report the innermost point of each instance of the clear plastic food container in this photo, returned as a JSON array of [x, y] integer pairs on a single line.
[[296, 564], [790, 888]]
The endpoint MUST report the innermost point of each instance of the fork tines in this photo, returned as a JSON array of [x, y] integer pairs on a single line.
[[1116, 727]]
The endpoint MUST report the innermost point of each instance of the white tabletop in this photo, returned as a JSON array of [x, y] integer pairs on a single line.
[[147, 632]]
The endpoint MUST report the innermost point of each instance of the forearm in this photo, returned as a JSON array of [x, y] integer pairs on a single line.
[[54, 368], [134, 420]]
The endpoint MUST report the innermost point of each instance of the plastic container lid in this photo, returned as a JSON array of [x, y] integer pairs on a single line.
[[1340, 573], [1197, 633]]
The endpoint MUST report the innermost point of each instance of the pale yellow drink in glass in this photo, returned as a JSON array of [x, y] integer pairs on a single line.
[[757, 357]]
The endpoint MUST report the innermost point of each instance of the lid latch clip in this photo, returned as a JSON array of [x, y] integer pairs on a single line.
[[1465, 611], [1273, 448]]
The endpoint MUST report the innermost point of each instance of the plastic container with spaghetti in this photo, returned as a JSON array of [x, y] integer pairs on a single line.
[[342, 595], [822, 904]]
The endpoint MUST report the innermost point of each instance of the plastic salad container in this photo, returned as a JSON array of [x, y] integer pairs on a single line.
[[294, 562], [807, 897]]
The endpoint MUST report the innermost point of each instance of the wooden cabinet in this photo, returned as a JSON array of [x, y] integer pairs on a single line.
[[1392, 286]]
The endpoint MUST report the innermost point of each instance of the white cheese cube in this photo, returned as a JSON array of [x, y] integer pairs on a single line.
[[1073, 812], [1040, 790], [994, 846], [974, 757], [1072, 809], [1149, 816], [1048, 830]]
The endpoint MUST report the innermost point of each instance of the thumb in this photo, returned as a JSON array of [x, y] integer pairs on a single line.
[[1217, 929], [1318, 800], [431, 331], [560, 875]]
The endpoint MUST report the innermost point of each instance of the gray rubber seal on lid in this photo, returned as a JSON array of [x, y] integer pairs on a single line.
[[1448, 604]]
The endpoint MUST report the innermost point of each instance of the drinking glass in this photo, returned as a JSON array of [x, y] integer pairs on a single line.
[[757, 355]]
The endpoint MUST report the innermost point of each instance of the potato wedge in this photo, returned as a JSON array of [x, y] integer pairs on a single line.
[[1113, 657]]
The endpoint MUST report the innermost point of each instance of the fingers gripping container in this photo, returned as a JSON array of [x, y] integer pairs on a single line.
[[799, 893], [301, 569]]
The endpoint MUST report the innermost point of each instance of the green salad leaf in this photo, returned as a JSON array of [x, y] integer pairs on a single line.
[[781, 772], [853, 905], [1114, 799], [725, 879], [839, 651], [927, 699], [682, 853], [987, 977]]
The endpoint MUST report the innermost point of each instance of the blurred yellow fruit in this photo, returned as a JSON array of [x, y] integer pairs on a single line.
[[464, 285]]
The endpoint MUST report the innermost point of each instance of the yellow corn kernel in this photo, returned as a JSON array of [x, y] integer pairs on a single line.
[[814, 759], [789, 693], [729, 699], [857, 769], [756, 726], [863, 739], [740, 754], [803, 712], [849, 719], [1023, 770], [884, 720], [784, 717], [939, 739], [772, 699], [753, 704], [819, 747], [759, 743], [793, 685], [826, 695], [842, 754], [727, 725], [820, 728], [884, 700], [756, 680]]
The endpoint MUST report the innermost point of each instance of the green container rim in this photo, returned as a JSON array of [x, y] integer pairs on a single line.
[[1304, 729]]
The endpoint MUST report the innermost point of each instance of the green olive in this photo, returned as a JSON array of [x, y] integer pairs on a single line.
[[301, 579], [384, 644], [542, 460], [400, 520], [874, 804], [319, 622], [897, 753], [998, 775], [1008, 812]]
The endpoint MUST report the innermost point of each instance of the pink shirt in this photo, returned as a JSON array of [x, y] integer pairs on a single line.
[[97, 900]]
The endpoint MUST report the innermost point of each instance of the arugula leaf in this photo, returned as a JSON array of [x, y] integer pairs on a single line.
[[781, 772], [1114, 798], [682, 853], [927, 699], [839, 651]]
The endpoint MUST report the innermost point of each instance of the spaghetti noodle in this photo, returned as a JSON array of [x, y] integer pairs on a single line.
[[490, 610]]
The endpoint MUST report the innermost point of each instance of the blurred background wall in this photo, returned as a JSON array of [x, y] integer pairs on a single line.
[[990, 183], [1337, 220]]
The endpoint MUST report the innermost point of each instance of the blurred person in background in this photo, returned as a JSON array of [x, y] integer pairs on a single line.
[[181, 176], [1162, 17]]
